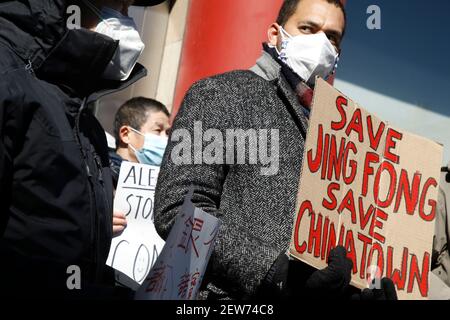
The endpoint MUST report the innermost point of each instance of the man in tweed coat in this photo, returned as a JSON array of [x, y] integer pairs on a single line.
[[256, 207]]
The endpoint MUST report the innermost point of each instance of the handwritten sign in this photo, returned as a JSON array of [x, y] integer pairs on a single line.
[[179, 271], [369, 187], [136, 250]]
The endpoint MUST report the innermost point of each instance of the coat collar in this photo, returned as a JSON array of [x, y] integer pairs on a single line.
[[270, 70], [291, 102], [266, 67]]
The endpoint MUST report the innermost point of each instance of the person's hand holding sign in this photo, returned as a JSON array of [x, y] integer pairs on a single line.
[[119, 223], [294, 279], [334, 280]]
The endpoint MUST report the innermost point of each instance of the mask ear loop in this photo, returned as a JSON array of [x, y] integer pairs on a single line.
[[136, 131], [285, 37], [281, 31], [276, 49], [139, 133], [336, 64], [132, 148], [285, 33], [334, 69]]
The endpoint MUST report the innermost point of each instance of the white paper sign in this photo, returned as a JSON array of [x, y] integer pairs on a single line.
[[136, 250], [180, 268]]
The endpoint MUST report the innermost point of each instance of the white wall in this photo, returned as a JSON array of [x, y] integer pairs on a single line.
[[161, 28]]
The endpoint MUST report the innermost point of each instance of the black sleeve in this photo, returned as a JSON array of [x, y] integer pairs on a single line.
[[9, 110]]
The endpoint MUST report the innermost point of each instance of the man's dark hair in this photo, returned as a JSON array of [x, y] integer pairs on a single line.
[[290, 6], [135, 112]]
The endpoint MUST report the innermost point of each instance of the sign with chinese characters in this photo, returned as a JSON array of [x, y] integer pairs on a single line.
[[136, 250], [179, 270]]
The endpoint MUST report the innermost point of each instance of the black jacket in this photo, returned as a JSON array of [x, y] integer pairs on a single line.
[[56, 187], [115, 162]]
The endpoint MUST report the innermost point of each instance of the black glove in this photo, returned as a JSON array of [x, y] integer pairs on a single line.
[[386, 292], [285, 279], [274, 285], [291, 279], [334, 280]]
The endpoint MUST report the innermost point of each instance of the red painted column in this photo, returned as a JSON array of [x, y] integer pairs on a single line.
[[220, 36]]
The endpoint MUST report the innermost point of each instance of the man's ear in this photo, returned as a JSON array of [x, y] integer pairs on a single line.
[[124, 133], [273, 34]]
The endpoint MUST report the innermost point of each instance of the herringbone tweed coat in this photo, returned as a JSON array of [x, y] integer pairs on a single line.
[[256, 211]]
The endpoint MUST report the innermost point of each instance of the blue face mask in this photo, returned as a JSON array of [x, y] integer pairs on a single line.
[[153, 150]]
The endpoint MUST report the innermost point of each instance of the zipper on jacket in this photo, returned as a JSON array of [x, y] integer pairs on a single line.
[[99, 167], [95, 227], [106, 204], [29, 67], [92, 198]]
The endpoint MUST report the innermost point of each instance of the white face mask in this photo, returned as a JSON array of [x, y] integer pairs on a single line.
[[122, 28], [308, 55]]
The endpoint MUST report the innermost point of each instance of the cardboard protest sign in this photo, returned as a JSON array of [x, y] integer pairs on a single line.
[[180, 268], [136, 250], [370, 187]]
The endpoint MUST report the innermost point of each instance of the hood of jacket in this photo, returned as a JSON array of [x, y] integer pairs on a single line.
[[36, 31]]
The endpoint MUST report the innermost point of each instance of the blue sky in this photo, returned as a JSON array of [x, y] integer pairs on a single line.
[[408, 59]]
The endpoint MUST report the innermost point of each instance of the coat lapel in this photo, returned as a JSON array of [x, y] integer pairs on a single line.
[[292, 104]]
